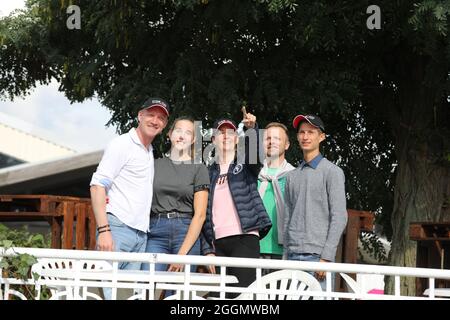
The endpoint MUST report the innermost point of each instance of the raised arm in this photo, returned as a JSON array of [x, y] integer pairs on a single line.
[[252, 144]]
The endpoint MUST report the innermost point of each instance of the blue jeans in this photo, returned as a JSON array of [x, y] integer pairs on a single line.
[[166, 236], [312, 257], [126, 239]]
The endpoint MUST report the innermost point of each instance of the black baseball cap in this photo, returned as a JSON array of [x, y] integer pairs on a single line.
[[156, 102], [223, 121], [312, 120]]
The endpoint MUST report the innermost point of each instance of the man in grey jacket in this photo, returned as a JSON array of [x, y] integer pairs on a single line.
[[315, 203]]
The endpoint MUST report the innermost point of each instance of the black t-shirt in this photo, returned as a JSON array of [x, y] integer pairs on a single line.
[[175, 183]]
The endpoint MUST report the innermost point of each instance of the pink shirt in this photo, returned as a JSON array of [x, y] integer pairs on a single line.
[[224, 214]]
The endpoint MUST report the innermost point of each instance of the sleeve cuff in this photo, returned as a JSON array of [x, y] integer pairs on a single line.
[[201, 187]]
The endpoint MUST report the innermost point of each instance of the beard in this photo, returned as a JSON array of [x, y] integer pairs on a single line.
[[274, 156]]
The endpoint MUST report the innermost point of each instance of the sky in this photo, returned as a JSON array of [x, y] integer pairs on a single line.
[[80, 126]]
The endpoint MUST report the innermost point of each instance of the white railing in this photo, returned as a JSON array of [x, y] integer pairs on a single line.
[[80, 278]]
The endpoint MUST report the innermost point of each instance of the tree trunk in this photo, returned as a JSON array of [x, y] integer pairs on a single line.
[[422, 178], [419, 195]]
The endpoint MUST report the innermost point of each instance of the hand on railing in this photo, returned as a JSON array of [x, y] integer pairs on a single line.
[[211, 268], [176, 267], [320, 275]]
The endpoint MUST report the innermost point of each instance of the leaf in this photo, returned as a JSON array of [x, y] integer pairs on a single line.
[[4, 264], [37, 239], [6, 244], [35, 276], [29, 259], [440, 13]]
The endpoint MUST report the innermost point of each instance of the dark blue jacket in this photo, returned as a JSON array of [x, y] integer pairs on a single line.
[[243, 183]]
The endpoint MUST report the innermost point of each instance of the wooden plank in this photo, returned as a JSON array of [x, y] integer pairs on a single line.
[[56, 227], [52, 207], [58, 211], [433, 248], [366, 219], [92, 228], [26, 214], [20, 205], [421, 262], [5, 198], [10, 197], [339, 286], [429, 231], [351, 239], [428, 223], [80, 230], [42, 196], [432, 239], [68, 216], [45, 205], [58, 208]]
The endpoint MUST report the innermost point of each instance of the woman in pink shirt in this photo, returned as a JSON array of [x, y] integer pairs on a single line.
[[236, 218]]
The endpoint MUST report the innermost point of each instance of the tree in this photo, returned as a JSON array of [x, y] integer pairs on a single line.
[[383, 93]]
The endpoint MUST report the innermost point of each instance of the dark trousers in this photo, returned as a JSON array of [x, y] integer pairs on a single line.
[[239, 246]]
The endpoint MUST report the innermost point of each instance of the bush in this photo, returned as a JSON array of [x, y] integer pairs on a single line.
[[19, 265]]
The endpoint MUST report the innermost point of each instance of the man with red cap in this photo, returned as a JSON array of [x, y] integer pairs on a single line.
[[125, 176], [315, 203]]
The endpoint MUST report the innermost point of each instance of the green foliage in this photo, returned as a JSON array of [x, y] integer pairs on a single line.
[[19, 265], [371, 243], [22, 238], [431, 15]]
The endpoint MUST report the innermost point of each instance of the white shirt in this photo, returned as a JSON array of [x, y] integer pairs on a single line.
[[126, 171]]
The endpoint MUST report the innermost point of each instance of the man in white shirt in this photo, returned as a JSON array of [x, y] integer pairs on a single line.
[[125, 176]]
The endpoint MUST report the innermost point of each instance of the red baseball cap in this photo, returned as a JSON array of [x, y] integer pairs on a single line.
[[312, 120], [221, 122]]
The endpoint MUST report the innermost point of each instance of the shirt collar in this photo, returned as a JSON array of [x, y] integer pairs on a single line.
[[313, 163], [135, 138]]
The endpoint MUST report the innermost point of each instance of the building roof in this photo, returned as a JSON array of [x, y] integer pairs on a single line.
[[51, 176], [26, 142]]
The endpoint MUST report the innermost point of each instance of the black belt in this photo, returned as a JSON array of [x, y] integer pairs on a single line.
[[171, 215]]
